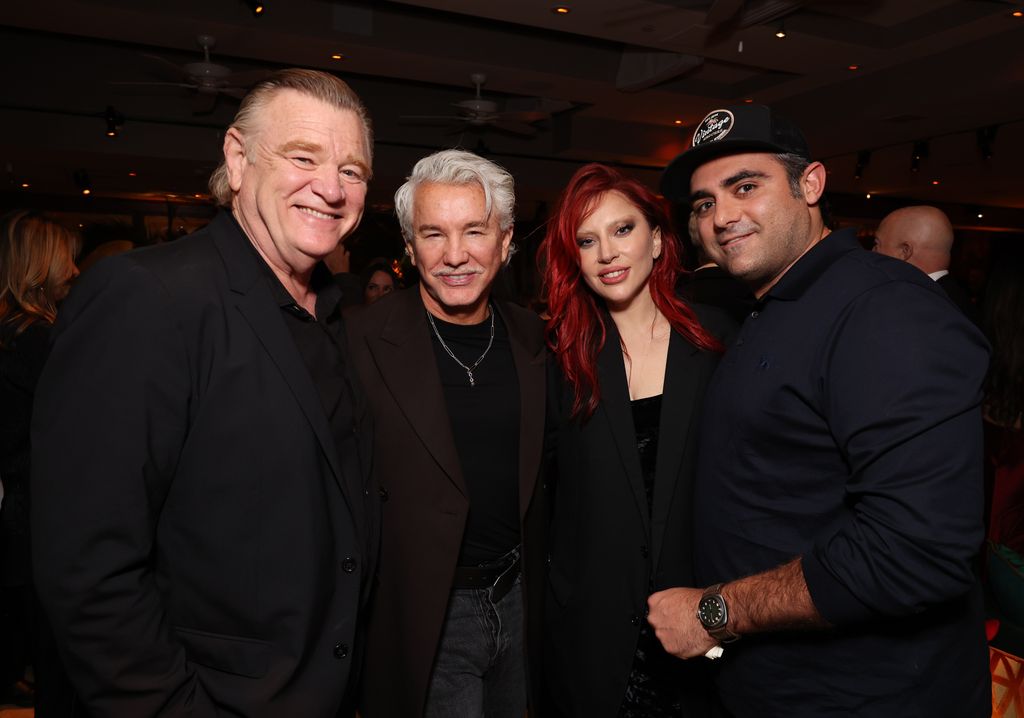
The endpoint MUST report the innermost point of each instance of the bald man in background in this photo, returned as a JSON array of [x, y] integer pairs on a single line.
[[923, 236]]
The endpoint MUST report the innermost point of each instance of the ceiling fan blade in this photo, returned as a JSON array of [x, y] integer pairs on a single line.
[[515, 128], [526, 116], [165, 68]]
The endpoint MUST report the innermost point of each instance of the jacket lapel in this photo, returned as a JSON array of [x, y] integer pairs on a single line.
[[677, 410], [528, 355], [404, 355], [618, 412], [254, 301]]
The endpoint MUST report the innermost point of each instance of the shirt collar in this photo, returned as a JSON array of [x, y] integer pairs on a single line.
[[812, 264], [328, 294]]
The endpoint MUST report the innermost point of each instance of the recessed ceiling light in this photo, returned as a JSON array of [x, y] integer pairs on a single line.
[[1015, 13], [678, 122], [867, 196], [980, 215], [748, 100], [133, 173], [25, 185], [853, 68], [935, 182], [561, 9], [86, 191], [337, 56]]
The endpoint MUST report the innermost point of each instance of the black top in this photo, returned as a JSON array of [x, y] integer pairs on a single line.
[[646, 419], [319, 340], [485, 424], [21, 361], [843, 427]]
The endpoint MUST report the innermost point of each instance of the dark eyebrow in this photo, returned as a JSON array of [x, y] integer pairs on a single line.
[[729, 182]]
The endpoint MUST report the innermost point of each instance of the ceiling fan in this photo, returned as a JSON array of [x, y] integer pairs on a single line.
[[207, 79], [518, 118]]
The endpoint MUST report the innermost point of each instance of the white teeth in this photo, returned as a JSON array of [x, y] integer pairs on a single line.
[[313, 212], [613, 275]]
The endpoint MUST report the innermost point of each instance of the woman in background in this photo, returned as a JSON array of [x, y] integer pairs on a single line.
[[1003, 322], [378, 281], [633, 362], [37, 265]]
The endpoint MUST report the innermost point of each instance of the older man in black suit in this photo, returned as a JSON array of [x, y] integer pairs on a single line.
[[202, 532]]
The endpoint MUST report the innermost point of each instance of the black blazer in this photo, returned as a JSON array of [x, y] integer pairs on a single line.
[[199, 543], [606, 548], [416, 467]]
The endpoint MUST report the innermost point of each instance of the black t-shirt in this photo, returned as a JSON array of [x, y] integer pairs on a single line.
[[485, 425]]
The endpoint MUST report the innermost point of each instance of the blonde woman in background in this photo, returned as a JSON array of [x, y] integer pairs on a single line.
[[37, 266]]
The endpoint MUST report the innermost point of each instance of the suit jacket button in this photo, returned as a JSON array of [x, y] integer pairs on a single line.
[[383, 493], [634, 620], [341, 651], [348, 565]]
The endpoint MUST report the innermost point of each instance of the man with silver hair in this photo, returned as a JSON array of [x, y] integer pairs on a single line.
[[203, 533], [455, 382]]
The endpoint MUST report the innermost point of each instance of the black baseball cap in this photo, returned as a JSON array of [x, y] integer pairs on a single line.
[[729, 131]]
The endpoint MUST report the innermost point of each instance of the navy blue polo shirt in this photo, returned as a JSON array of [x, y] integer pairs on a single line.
[[843, 426]]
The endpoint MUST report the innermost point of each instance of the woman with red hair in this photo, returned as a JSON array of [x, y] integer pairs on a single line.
[[634, 360]]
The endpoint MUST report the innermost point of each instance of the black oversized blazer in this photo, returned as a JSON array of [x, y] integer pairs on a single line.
[[199, 544], [416, 467], [607, 550]]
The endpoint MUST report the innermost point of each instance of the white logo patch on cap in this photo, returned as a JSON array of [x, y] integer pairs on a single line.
[[714, 127]]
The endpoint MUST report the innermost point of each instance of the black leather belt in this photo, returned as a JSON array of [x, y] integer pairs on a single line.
[[499, 575]]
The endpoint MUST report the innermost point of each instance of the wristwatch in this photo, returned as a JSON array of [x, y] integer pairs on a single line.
[[713, 614]]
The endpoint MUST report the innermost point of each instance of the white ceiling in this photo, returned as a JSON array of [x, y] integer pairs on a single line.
[[936, 70]]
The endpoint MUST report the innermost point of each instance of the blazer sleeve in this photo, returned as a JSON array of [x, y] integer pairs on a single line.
[[900, 388], [110, 418]]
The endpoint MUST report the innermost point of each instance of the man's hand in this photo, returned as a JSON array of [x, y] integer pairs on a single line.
[[673, 616]]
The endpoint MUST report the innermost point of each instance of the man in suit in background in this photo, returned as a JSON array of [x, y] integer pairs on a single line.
[[455, 381], [202, 532], [923, 236]]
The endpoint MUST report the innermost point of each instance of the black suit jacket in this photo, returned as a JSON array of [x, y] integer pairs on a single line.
[[958, 295], [607, 549], [416, 467], [199, 542]]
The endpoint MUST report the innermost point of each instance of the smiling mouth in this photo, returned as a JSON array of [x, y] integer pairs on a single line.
[[457, 279], [319, 215], [613, 276]]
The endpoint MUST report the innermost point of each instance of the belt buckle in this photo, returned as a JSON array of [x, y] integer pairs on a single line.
[[504, 582]]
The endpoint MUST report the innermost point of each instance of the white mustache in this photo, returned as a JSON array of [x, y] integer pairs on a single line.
[[455, 272]]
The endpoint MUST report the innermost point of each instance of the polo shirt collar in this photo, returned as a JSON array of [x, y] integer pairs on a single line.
[[802, 275]]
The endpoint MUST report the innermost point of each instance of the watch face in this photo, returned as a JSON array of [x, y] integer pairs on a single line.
[[711, 611]]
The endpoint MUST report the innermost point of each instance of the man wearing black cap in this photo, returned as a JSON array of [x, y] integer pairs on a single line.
[[839, 494]]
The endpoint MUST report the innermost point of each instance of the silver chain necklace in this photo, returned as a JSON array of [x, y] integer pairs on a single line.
[[469, 369]]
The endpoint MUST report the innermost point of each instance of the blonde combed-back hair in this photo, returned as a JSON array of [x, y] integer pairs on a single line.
[[321, 85], [35, 252]]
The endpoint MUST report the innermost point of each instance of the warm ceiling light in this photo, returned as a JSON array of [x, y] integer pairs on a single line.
[[561, 9], [337, 56], [198, 196], [133, 173], [867, 196], [980, 215], [781, 32], [1015, 13], [678, 122], [87, 191], [748, 100], [25, 185], [852, 68], [935, 182]]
